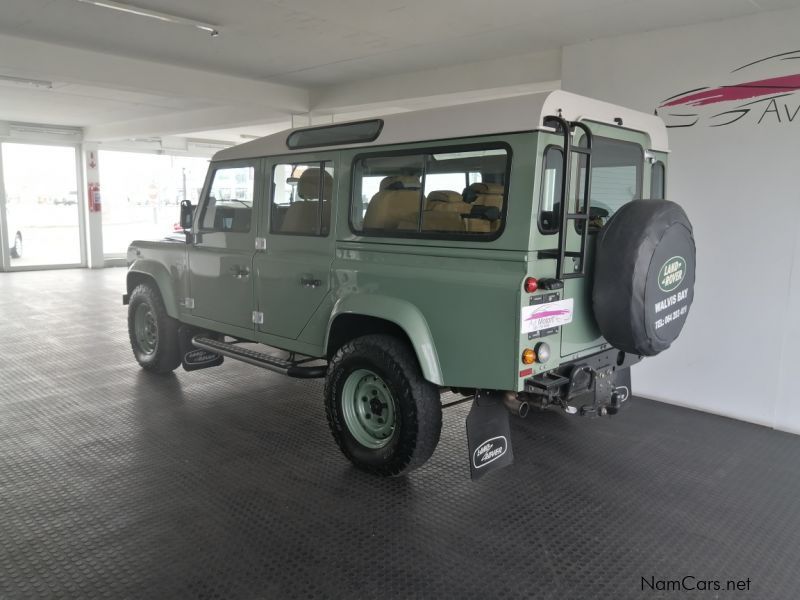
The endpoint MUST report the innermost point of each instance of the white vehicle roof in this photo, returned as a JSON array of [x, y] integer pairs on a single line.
[[505, 115]]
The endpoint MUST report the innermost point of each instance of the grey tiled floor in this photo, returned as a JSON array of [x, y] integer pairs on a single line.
[[225, 483]]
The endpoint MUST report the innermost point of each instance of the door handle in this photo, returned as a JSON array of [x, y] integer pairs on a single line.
[[309, 282], [240, 272]]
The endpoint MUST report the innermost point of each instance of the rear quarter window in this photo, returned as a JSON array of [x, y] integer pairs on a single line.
[[453, 192]]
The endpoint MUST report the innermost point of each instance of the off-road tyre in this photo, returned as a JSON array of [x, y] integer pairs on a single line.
[[644, 275], [418, 410], [164, 354]]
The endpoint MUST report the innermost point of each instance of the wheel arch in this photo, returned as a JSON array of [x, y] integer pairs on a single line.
[[357, 315], [156, 275]]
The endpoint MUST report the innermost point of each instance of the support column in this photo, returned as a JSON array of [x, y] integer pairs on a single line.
[[94, 214]]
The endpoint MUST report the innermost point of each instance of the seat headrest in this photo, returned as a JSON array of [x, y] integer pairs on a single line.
[[400, 182], [308, 186], [473, 190], [445, 196], [481, 187]]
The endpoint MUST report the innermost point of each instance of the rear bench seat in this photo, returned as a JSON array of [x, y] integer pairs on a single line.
[[396, 207], [396, 203], [484, 194]]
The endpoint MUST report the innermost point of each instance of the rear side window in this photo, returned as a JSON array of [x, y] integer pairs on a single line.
[[301, 198], [229, 205], [453, 192], [550, 199], [658, 181]]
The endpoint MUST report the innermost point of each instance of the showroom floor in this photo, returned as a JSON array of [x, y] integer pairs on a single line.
[[225, 483]]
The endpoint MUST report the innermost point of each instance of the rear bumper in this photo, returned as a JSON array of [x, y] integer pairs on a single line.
[[562, 382]]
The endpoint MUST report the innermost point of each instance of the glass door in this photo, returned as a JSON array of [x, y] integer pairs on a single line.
[[42, 206], [142, 195]]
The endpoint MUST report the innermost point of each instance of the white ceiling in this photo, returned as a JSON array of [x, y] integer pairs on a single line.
[[311, 44]]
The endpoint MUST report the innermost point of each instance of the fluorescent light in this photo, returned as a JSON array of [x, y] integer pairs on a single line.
[[152, 14], [39, 83]]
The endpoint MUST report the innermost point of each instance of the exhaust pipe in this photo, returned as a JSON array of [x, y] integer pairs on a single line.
[[516, 406]]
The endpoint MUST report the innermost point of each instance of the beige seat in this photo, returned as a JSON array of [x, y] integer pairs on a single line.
[[446, 200], [303, 216], [487, 194], [396, 202], [442, 220], [484, 194]]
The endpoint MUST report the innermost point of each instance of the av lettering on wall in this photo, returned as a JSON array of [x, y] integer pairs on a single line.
[[763, 91]]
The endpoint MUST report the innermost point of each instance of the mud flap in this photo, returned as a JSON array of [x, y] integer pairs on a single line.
[[195, 358], [488, 435]]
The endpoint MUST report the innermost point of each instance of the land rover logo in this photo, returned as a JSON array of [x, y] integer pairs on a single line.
[[671, 274], [199, 357], [489, 451]]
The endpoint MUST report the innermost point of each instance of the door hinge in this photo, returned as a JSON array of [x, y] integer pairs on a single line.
[[261, 243], [258, 317], [188, 302]]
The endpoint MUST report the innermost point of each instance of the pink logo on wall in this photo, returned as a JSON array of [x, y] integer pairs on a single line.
[[769, 98]]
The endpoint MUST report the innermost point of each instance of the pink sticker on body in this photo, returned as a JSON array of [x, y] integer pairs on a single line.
[[545, 316]]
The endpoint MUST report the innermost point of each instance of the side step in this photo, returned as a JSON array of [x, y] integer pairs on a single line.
[[260, 359]]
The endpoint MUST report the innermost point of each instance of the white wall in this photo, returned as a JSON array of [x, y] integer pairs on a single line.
[[740, 184]]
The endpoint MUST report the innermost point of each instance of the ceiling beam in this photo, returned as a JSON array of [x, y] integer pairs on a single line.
[[30, 58], [183, 122]]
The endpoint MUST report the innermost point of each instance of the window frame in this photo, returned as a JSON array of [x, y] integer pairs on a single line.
[[430, 150], [202, 204], [271, 203]]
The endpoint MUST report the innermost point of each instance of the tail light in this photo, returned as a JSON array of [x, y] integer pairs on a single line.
[[531, 285], [528, 356]]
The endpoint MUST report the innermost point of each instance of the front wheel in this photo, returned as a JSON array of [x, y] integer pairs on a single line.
[[153, 333], [385, 417]]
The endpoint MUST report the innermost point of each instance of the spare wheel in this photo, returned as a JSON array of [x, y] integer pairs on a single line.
[[644, 276]]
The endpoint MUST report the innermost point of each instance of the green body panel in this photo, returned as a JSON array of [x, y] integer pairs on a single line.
[[165, 264], [395, 310], [458, 301]]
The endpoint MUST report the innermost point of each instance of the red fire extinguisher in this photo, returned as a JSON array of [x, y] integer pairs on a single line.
[[95, 203]]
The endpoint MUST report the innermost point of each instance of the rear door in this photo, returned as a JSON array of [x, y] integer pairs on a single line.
[[616, 178], [292, 274], [221, 255]]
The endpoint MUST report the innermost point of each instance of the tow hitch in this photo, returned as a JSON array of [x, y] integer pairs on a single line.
[[595, 386], [607, 387]]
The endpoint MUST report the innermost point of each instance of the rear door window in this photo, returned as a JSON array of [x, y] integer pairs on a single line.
[[616, 179], [616, 174]]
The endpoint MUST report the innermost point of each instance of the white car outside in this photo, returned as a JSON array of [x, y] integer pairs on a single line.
[[14, 235]]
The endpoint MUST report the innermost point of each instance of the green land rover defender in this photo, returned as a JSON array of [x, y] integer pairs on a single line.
[[519, 252]]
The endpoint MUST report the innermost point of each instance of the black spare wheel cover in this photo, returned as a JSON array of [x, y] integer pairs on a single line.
[[644, 276]]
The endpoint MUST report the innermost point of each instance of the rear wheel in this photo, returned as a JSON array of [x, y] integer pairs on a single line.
[[385, 417], [152, 332]]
